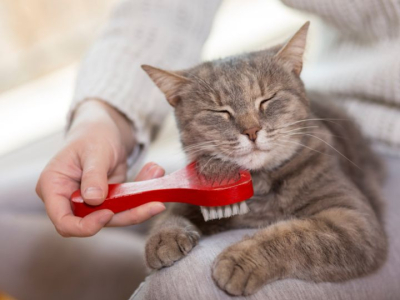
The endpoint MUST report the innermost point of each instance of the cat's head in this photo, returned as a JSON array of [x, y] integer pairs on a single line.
[[240, 109]]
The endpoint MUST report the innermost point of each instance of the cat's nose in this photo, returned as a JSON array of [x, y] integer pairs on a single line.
[[252, 133]]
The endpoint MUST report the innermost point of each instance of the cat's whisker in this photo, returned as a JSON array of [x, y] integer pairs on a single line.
[[198, 145], [329, 134], [305, 146], [210, 145], [210, 142], [337, 151], [316, 119], [279, 144], [205, 165], [294, 133], [194, 147], [296, 129], [198, 150], [238, 149]]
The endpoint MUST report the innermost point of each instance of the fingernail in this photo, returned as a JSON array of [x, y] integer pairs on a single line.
[[150, 166], [93, 193], [106, 217], [156, 208], [156, 172]]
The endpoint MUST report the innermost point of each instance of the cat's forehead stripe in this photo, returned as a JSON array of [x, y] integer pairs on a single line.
[[217, 97], [261, 86]]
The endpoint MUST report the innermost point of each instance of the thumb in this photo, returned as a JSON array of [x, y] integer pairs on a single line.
[[94, 182]]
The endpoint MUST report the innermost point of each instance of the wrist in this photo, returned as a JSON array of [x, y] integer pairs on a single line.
[[93, 111]]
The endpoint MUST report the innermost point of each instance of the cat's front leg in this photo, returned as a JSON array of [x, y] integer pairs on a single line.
[[242, 268], [334, 245], [170, 241]]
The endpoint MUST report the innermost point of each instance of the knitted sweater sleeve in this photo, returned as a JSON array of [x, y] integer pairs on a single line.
[[361, 20], [164, 33], [358, 63]]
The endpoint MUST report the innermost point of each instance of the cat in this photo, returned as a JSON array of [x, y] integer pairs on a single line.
[[317, 200]]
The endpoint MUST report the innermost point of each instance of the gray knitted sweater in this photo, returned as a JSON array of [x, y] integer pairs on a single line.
[[359, 61]]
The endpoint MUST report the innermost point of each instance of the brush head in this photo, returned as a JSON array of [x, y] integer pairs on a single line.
[[226, 211]]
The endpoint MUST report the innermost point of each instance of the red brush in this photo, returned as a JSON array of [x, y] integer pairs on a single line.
[[185, 186]]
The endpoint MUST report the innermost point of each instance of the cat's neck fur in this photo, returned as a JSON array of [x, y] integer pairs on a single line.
[[316, 158]]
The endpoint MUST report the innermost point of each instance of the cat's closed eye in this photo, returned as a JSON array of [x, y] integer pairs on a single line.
[[266, 100], [224, 113]]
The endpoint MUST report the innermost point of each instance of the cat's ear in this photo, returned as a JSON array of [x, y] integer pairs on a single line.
[[168, 82], [292, 52]]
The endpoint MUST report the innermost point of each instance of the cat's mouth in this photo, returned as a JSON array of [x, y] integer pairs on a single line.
[[253, 150], [259, 148], [252, 159]]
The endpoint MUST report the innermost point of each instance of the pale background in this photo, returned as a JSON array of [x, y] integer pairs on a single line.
[[41, 44], [44, 40]]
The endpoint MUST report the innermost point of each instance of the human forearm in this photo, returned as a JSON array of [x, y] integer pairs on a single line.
[[93, 110], [170, 33]]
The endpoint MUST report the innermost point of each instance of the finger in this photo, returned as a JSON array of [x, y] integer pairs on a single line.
[[141, 175], [150, 171], [119, 174], [69, 225], [116, 178], [59, 174], [137, 215], [38, 189], [94, 185], [52, 184], [56, 195], [144, 212]]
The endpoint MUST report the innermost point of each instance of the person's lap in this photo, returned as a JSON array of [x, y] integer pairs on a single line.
[[190, 278]]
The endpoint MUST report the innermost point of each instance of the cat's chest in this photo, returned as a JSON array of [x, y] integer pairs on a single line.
[[264, 210], [272, 202], [268, 204]]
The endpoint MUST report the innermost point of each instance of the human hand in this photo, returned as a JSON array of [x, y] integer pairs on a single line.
[[94, 155]]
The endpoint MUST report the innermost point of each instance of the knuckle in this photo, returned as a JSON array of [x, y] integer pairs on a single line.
[[61, 231], [37, 189], [122, 178], [87, 230], [39, 184], [89, 171], [133, 217]]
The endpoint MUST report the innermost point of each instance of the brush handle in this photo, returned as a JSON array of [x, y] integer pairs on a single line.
[[184, 186]]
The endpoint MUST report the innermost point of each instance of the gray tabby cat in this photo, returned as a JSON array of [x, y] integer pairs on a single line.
[[317, 201]]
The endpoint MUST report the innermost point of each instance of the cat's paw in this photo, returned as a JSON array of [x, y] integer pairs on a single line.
[[216, 170], [239, 269], [168, 245]]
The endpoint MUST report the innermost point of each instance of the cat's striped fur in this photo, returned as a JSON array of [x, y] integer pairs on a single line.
[[317, 184]]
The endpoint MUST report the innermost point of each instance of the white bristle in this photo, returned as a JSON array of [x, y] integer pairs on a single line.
[[228, 210], [219, 212], [235, 209], [205, 213], [243, 208], [213, 214]]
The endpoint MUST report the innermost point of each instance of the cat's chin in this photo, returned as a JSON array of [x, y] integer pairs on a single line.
[[255, 160], [259, 159]]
